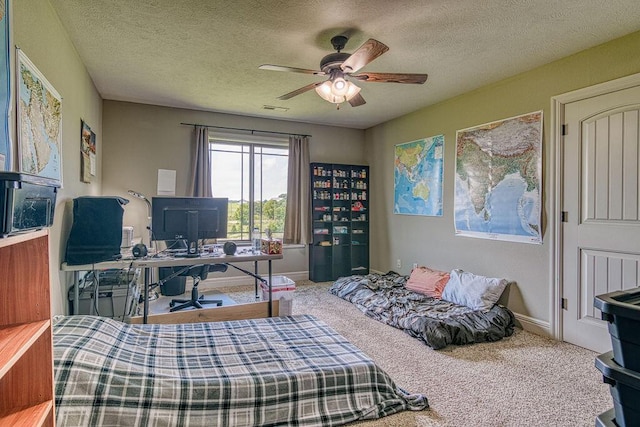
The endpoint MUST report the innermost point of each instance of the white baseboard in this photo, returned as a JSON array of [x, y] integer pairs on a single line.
[[533, 325]]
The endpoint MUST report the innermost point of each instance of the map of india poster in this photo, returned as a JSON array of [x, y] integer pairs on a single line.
[[498, 180], [418, 177], [39, 122]]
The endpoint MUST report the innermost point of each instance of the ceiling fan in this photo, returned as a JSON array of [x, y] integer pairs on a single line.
[[340, 67]]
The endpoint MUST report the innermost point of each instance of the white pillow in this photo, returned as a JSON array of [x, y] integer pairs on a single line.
[[475, 292]]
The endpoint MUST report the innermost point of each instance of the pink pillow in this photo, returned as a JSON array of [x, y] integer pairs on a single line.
[[427, 281]]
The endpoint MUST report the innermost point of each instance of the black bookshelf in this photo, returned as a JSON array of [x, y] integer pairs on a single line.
[[340, 221]]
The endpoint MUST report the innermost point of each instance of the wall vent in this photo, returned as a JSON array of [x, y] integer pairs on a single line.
[[274, 108]]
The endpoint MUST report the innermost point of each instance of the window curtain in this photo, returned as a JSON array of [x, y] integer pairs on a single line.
[[296, 220], [201, 167]]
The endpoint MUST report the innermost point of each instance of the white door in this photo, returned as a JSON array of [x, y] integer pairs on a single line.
[[601, 200]]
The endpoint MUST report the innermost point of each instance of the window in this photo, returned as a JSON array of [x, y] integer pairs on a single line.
[[254, 178]]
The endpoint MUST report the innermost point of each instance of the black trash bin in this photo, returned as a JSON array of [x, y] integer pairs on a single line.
[[624, 385], [174, 286], [621, 309]]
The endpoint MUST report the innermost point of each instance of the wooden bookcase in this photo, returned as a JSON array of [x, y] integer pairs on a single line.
[[26, 359], [340, 221]]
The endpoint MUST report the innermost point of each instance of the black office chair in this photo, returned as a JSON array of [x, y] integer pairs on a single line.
[[198, 273]]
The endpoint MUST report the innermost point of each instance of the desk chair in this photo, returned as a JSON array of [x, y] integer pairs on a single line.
[[198, 273]]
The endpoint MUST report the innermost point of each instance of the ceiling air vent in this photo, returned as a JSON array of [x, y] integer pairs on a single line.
[[274, 108]]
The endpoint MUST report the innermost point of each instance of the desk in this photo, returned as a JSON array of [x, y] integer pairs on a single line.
[[153, 261]]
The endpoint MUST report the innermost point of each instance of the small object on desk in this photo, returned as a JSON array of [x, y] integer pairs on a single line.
[[271, 246], [255, 240], [229, 248], [139, 250]]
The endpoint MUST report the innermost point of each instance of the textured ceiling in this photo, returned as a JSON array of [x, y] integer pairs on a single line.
[[204, 54]]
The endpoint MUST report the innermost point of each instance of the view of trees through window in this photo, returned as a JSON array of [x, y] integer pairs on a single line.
[[254, 178]]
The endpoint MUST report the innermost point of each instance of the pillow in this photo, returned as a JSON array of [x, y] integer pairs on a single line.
[[475, 292], [427, 281]]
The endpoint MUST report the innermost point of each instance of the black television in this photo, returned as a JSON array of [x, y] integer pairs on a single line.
[[189, 219]]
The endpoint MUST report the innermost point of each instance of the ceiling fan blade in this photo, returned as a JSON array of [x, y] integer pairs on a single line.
[[291, 69], [366, 53], [303, 89], [391, 77], [357, 100]]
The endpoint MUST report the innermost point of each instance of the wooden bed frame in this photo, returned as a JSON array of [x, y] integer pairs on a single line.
[[254, 310]]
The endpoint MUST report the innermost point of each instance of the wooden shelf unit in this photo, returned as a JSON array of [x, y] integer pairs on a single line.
[[26, 347]]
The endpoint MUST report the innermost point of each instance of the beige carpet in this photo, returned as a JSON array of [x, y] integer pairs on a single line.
[[523, 380]]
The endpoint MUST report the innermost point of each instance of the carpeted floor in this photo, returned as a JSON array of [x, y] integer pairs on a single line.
[[523, 380]]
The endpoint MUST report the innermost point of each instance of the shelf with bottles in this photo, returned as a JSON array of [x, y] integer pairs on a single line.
[[358, 184], [340, 184], [358, 206], [322, 194], [360, 195], [341, 239], [356, 242], [359, 172], [321, 183], [340, 171], [340, 195], [341, 218], [340, 229], [321, 231], [322, 217], [359, 216], [321, 171]]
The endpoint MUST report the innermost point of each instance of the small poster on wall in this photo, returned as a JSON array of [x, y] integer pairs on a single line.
[[417, 175], [87, 151]]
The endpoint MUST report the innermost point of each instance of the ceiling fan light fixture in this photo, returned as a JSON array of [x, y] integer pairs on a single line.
[[328, 92], [339, 87]]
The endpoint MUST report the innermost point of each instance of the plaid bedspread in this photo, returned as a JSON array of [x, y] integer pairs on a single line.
[[285, 371], [438, 323]]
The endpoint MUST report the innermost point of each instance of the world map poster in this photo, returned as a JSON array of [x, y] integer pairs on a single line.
[[39, 122], [418, 177], [498, 180]]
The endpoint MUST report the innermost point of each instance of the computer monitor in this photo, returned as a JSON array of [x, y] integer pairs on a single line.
[[189, 219]]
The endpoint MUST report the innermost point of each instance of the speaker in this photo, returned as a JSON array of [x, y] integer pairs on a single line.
[[139, 250], [96, 231], [229, 248]]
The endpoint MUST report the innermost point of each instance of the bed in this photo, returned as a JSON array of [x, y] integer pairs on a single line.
[[438, 323], [281, 371]]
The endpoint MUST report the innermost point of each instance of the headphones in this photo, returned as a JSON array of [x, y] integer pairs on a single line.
[[139, 250]]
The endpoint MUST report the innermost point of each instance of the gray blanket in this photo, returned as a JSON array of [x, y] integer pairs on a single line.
[[284, 371], [436, 322]]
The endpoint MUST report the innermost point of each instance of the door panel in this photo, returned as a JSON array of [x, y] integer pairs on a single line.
[[601, 239]]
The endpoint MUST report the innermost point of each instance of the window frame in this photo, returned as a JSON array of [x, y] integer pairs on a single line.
[[252, 142]]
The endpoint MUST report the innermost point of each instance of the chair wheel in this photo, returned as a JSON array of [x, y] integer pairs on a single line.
[[172, 304]]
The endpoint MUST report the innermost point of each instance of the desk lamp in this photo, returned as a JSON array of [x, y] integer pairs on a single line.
[[142, 197]]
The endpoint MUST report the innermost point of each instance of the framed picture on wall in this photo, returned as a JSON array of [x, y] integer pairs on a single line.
[[87, 152], [39, 114]]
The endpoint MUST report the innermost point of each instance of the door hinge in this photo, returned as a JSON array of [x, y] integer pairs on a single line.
[[564, 216], [565, 130], [563, 303]]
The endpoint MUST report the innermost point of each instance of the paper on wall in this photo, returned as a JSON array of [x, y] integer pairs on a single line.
[[166, 182]]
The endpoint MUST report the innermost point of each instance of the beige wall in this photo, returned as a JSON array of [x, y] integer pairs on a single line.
[[140, 139], [429, 240], [40, 35], [134, 140]]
